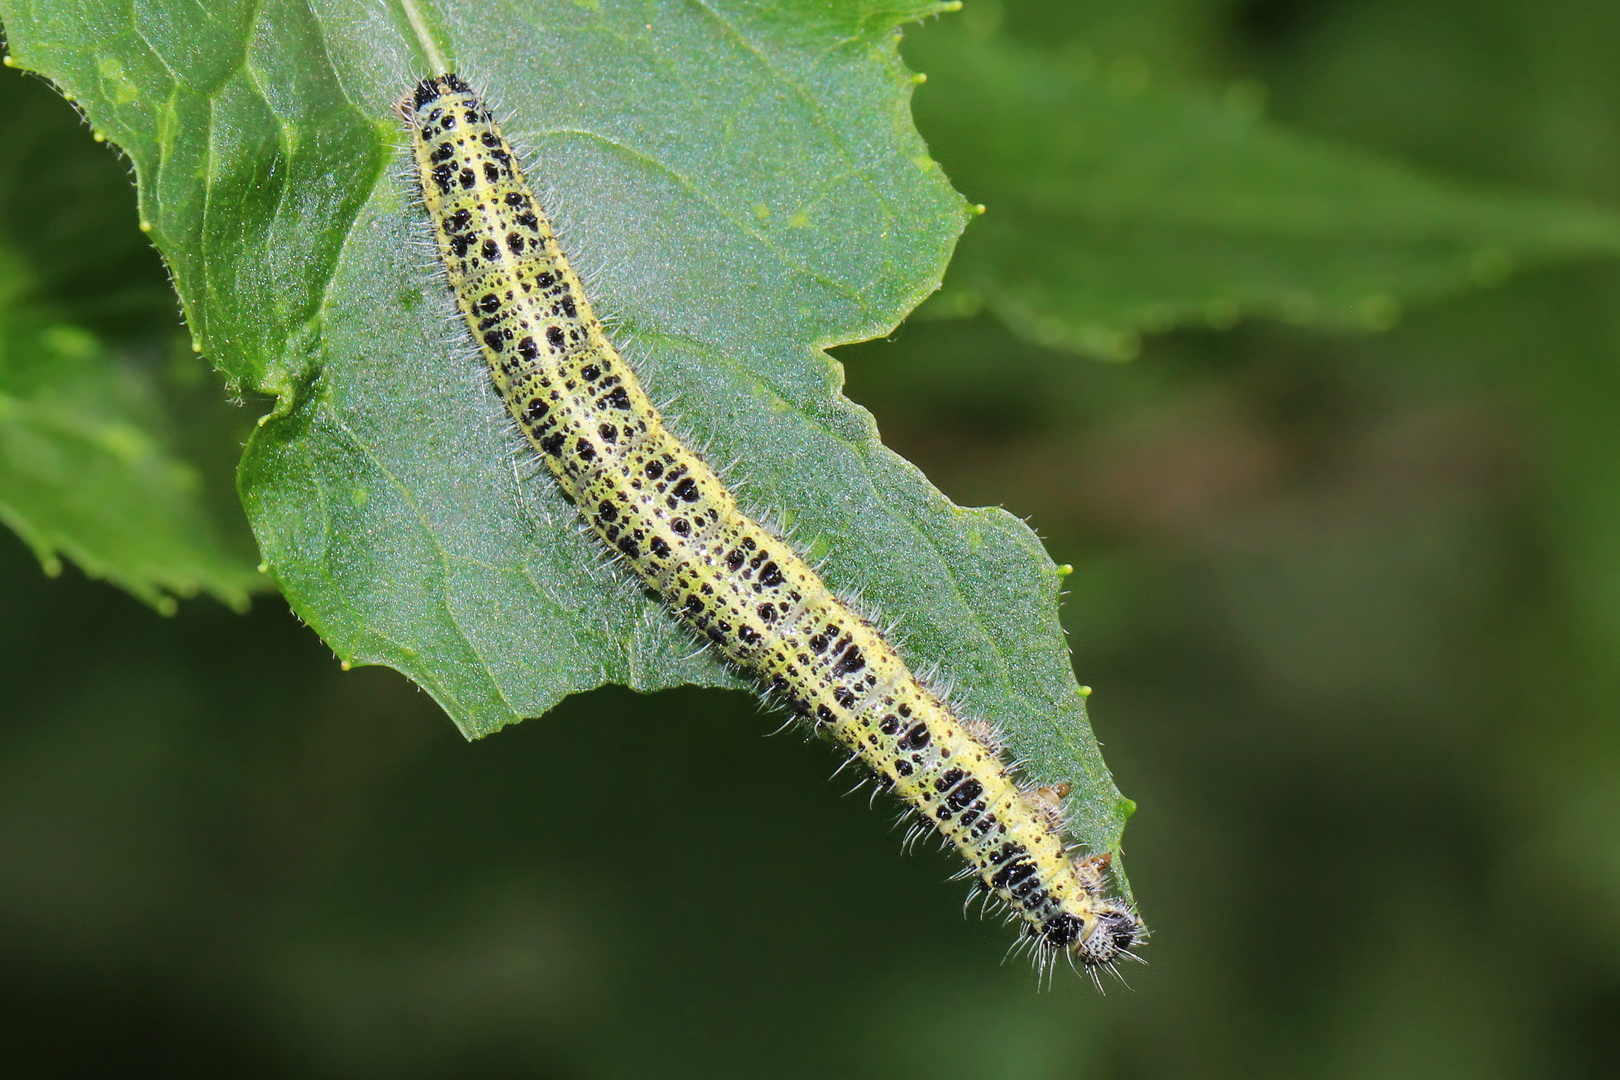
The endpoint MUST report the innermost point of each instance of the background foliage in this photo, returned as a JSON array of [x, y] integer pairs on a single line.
[[1351, 601]]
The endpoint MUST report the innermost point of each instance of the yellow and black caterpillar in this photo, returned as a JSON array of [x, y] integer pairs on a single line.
[[655, 501]]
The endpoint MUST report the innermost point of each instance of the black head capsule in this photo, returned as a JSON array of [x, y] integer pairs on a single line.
[[1113, 932]]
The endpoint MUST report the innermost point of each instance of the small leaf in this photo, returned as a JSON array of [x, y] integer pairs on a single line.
[[1116, 208], [88, 465], [86, 472]]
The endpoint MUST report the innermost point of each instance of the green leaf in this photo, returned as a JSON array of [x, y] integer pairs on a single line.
[[741, 185], [1115, 208], [86, 470], [89, 468]]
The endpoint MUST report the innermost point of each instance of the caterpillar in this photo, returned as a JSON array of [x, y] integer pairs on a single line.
[[735, 583]]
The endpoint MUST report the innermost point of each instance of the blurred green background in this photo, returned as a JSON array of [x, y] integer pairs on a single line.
[[1351, 605]]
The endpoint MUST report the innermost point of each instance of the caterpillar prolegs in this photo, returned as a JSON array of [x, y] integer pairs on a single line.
[[678, 527]]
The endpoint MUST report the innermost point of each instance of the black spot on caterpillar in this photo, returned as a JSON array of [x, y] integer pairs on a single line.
[[736, 584]]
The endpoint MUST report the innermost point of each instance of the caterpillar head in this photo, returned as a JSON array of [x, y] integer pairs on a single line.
[[1113, 931], [1108, 931]]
